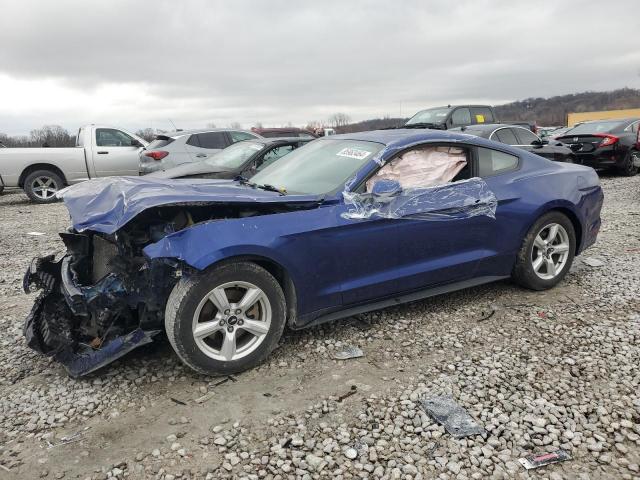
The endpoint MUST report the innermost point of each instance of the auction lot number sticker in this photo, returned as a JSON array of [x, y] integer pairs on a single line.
[[353, 153]]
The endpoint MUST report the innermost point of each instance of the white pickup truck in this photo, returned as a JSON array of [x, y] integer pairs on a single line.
[[100, 151]]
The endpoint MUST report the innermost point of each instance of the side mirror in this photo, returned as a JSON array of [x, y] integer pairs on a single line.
[[537, 143], [386, 188]]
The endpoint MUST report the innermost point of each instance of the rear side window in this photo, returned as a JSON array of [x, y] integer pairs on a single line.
[[110, 137], [594, 127], [482, 115], [505, 135], [212, 140], [159, 142], [461, 116], [492, 162], [525, 136], [240, 136]]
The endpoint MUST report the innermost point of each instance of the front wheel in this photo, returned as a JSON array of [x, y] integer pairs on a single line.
[[547, 252], [227, 319]]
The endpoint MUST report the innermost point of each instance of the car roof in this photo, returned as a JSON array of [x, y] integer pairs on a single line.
[[180, 133], [403, 136], [623, 120], [487, 127]]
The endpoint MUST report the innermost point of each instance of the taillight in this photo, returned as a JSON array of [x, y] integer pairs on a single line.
[[156, 154], [607, 140]]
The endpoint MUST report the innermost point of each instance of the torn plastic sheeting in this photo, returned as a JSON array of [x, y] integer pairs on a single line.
[[381, 158], [106, 204], [463, 199], [453, 417]]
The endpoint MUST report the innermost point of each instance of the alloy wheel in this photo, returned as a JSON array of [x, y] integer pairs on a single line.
[[44, 187], [550, 251], [232, 321]]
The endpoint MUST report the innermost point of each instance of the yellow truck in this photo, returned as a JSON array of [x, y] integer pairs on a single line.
[[577, 117]]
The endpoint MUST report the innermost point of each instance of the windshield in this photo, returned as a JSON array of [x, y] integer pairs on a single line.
[[593, 127], [322, 166], [235, 155], [432, 115]]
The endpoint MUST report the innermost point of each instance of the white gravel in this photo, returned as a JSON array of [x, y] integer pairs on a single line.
[[551, 370]]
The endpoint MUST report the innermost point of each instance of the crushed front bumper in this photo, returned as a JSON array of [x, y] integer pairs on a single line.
[[63, 308]]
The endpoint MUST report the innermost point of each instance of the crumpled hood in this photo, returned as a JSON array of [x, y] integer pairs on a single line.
[[107, 204]]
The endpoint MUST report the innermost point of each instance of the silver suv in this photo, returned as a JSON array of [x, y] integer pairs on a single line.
[[175, 148]]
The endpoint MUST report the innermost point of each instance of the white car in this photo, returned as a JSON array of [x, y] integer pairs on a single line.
[[172, 149], [100, 151]]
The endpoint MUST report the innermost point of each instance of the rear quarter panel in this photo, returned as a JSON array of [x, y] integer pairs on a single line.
[[14, 161]]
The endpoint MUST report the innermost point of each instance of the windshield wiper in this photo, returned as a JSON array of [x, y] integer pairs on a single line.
[[268, 188]]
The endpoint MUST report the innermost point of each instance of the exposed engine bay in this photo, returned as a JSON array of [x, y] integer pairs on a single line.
[[104, 297]]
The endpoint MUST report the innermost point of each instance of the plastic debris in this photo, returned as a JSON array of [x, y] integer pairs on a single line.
[[36, 234], [455, 419], [593, 262], [348, 353], [542, 459]]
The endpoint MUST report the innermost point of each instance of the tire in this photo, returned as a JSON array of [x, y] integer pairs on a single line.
[[628, 169], [536, 273], [190, 306], [42, 185]]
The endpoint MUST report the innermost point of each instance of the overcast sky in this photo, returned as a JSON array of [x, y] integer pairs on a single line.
[[139, 64]]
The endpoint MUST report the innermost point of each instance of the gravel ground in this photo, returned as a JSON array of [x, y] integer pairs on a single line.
[[539, 370]]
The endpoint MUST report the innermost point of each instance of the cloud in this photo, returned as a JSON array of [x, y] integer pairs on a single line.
[[136, 64]]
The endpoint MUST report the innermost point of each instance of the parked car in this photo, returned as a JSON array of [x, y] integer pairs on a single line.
[[343, 225], [243, 158], [443, 118], [100, 151], [559, 132], [175, 148], [544, 132], [524, 138], [286, 132], [609, 144]]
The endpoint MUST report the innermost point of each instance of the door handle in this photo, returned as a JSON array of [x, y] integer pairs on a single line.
[[201, 155], [103, 153]]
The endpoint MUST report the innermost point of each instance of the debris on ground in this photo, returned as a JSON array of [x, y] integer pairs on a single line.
[[540, 460], [592, 262], [36, 234], [353, 390], [349, 352], [455, 419]]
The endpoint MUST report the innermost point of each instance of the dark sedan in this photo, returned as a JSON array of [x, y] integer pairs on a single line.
[[610, 144], [243, 158], [524, 138]]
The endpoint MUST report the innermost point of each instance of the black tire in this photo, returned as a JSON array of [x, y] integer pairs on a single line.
[[52, 181], [628, 169], [524, 273], [187, 295]]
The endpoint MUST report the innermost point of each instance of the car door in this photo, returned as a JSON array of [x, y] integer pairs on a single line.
[[115, 153], [201, 146], [438, 249]]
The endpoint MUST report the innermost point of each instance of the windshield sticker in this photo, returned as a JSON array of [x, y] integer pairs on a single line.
[[480, 118], [441, 114], [353, 153]]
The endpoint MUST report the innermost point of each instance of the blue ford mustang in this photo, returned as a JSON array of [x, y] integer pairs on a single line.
[[343, 225]]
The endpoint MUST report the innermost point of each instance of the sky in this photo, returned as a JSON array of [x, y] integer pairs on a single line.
[[191, 63]]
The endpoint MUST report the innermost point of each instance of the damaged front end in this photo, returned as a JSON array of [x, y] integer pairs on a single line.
[[98, 302]]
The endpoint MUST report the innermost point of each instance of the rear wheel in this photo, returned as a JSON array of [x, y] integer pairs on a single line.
[[547, 252], [41, 186], [629, 168], [225, 320]]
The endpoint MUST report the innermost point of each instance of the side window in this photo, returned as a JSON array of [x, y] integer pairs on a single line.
[[482, 115], [525, 136], [425, 167], [461, 116], [193, 141], [240, 136], [505, 135], [492, 162], [213, 140], [273, 155], [110, 137]]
